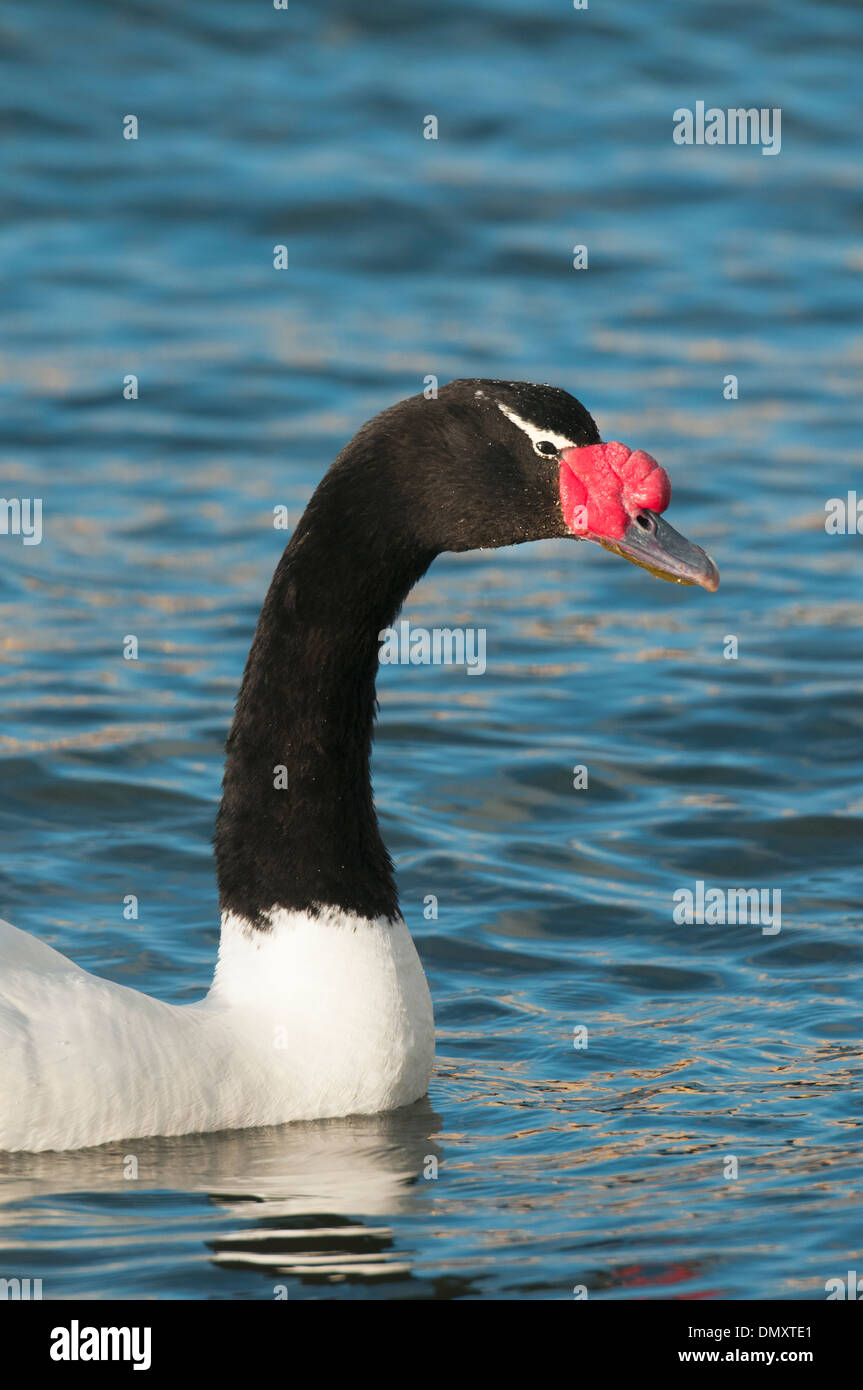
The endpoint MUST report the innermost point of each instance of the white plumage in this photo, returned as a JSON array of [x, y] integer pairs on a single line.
[[313, 1018]]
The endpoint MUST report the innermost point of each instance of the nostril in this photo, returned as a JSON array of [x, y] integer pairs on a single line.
[[645, 522]]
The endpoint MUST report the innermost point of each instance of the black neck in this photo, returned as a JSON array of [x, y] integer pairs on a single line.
[[422, 477], [307, 704]]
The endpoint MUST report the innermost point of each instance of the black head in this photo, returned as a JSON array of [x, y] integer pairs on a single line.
[[477, 465], [488, 463]]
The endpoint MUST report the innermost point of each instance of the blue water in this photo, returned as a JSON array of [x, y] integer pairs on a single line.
[[556, 1166]]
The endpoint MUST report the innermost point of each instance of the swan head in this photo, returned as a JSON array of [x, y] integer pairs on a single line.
[[553, 476]]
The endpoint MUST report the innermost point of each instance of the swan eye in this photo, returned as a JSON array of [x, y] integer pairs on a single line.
[[545, 446]]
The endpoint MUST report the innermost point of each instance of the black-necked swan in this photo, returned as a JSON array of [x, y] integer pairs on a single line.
[[319, 1006]]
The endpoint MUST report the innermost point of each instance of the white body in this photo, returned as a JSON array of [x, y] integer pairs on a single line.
[[314, 1018]]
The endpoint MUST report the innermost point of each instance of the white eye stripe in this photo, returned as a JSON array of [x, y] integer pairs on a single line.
[[533, 432]]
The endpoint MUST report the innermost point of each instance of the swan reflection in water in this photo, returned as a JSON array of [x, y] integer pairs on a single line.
[[309, 1200]]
